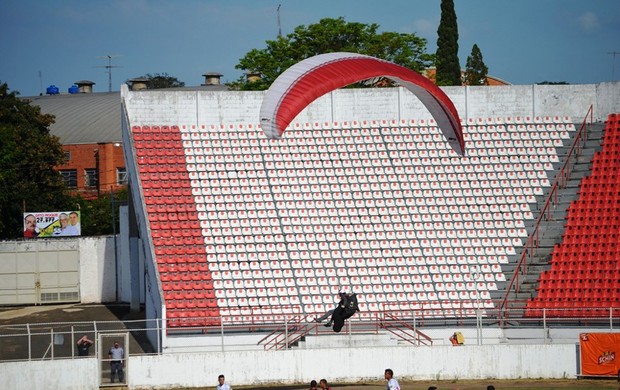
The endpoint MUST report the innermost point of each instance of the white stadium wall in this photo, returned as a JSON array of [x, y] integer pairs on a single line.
[[337, 365], [193, 107], [97, 269], [340, 365], [95, 266]]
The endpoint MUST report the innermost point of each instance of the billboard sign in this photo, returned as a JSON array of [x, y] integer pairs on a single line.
[[599, 354], [52, 224]]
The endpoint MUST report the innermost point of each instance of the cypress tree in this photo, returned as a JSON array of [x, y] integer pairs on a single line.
[[447, 57], [476, 71]]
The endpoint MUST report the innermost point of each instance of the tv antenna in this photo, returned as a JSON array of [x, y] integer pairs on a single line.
[[109, 67], [279, 25], [613, 64]]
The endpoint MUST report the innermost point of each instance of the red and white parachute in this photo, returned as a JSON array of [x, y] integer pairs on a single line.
[[313, 77]]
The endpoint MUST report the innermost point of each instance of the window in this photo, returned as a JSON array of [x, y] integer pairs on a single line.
[[69, 177], [121, 176], [90, 177], [67, 156]]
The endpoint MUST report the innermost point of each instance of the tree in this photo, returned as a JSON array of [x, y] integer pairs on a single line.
[[97, 217], [552, 83], [476, 71], [162, 80], [28, 155], [327, 36], [447, 56]]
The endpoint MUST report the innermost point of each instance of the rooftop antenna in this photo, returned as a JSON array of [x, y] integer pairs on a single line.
[[109, 67], [279, 25], [613, 64]]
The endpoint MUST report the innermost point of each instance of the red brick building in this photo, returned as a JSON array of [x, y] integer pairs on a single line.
[[92, 169], [89, 127]]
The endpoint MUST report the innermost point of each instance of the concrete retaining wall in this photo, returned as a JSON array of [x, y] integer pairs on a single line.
[[199, 107], [97, 270], [300, 366]]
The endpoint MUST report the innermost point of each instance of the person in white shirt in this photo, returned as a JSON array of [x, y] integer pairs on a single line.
[[222, 385], [392, 383], [66, 229], [74, 220], [117, 357]]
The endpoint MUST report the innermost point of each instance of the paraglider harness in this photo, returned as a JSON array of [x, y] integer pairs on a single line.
[[349, 304]]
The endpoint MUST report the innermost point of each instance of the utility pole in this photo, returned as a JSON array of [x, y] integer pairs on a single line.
[[613, 64]]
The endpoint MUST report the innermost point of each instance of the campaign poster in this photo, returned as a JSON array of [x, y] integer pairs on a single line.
[[52, 224], [599, 354]]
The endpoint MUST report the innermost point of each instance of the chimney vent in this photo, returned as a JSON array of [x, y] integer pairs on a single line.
[[139, 83], [252, 76], [212, 78], [85, 86]]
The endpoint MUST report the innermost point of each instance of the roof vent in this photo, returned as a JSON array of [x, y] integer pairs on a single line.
[[139, 83], [212, 78], [252, 76], [85, 86], [73, 89]]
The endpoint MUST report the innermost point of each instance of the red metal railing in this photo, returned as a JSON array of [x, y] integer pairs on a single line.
[[551, 202]]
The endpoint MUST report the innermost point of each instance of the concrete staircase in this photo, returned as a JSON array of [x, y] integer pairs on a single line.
[[551, 229]]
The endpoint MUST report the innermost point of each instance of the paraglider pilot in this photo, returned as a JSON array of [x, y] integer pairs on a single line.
[[345, 309]]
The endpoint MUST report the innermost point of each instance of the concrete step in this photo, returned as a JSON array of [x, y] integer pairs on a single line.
[[335, 340], [551, 231]]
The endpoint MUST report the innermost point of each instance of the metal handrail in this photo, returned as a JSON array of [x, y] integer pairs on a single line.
[[404, 331], [552, 199], [285, 335]]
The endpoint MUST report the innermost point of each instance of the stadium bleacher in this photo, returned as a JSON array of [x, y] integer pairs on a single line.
[[255, 227], [584, 279]]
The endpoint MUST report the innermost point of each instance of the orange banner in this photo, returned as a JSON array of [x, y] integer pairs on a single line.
[[599, 354]]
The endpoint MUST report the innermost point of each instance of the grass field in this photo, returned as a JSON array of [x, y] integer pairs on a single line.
[[583, 384], [521, 384]]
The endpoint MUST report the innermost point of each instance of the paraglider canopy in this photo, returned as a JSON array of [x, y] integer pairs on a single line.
[[313, 77]]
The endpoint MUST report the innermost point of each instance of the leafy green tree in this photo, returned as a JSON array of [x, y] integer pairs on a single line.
[[476, 71], [328, 36], [28, 155], [447, 56], [97, 216], [552, 83], [162, 80]]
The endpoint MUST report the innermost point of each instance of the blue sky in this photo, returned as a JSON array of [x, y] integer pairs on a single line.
[[522, 42]]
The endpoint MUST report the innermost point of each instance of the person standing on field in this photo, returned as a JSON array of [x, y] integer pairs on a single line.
[[392, 383], [221, 383]]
